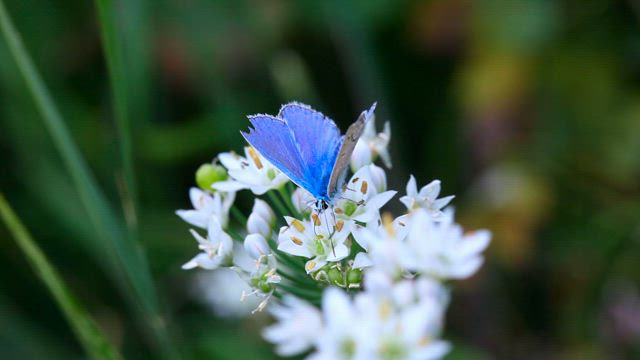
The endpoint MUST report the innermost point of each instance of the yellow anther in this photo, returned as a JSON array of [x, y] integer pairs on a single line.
[[387, 222], [310, 265], [338, 211], [424, 341], [316, 219], [298, 225], [296, 240], [254, 156], [364, 187], [384, 310], [339, 225]]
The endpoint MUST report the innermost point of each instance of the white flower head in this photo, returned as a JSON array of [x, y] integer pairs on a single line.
[[298, 326], [206, 205], [251, 172], [370, 145], [440, 248], [261, 219], [426, 198], [317, 239], [361, 197], [217, 248]]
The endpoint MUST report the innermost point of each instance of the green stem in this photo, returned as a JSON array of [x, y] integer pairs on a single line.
[[92, 339], [278, 203], [239, 216], [286, 197]]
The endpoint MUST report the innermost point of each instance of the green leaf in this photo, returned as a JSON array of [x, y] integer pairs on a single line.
[[85, 329]]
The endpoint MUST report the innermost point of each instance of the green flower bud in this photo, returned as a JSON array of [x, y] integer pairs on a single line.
[[207, 174], [336, 277], [354, 277]]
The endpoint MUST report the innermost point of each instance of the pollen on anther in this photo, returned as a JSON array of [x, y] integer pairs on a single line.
[[310, 265], [339, 225], [364, 187], [255, 157], [338, 211], [296, 240], [298, 225], [316, 219]]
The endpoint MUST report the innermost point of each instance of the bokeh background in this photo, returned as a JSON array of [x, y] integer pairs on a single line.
[[527, 110]]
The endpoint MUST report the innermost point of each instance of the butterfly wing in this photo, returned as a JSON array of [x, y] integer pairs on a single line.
[[318, 139], [273, 139], [349, 142]]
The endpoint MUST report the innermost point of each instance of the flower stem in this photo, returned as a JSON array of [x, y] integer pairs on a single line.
[[286, 197], [277, 203], [239, 216]]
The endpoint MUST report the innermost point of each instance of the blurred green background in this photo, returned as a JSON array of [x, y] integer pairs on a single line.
[[527, 110]]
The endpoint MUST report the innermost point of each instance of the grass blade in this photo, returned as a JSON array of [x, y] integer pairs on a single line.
[[122, 258], [113, 52], [85, 329]]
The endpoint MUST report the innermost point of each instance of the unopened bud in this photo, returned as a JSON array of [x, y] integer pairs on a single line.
[[208, 174]]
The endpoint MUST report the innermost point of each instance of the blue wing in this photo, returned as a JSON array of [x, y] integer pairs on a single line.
[[273, 139], [318, 139]]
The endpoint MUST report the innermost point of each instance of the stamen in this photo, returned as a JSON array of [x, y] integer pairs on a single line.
[[296, 241], [387, 221], [355, 180], [298, 225], [339, 225], [255, 157], [384, 310], [316, 219], [310, 265], [364, 187], [338, 211]]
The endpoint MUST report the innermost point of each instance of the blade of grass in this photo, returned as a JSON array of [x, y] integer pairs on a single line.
[[113, 51], [123, 259], [94, 342]]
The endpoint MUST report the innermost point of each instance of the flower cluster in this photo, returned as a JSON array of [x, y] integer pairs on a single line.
[[346, 282]]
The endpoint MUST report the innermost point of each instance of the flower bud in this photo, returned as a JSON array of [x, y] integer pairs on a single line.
[[256, 246], [361, 156], [336, 277], [302, 200], [261, 219], [207, 174], [378, 178], [354, 278]]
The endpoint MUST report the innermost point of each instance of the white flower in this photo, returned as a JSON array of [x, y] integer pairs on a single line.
[[221, 290], [319, 239], [206, 205], [261, 219], [252, 172], [299, 325], [440, 248], [384, 243], [363, 196], [345, 329], [370, 145], [258, 267], [217, 248], [426, 199]]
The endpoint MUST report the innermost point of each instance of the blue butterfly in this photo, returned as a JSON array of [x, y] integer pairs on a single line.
[[307, 147]]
